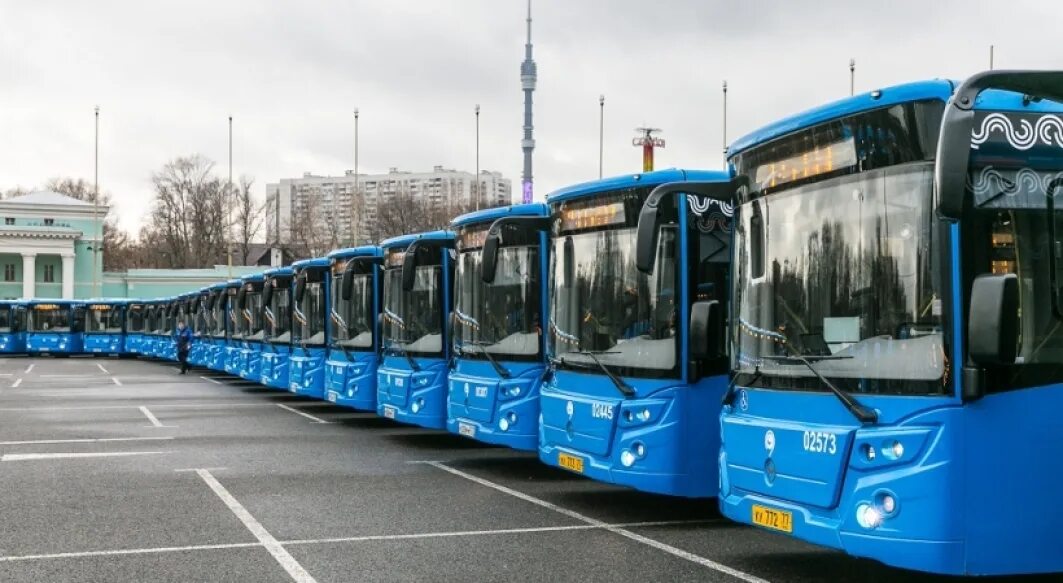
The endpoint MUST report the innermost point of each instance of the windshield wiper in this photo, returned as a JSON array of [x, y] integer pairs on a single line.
[[501, 370], [394, 347], [862, 413], [729, 395], [624, 388]]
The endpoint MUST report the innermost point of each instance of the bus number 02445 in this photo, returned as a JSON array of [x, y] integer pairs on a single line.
[[820, 442]]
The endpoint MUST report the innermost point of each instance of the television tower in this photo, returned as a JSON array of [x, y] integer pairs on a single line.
[[527, 81]]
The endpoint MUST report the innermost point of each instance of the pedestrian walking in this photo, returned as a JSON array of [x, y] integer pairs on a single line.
[[184, 343]]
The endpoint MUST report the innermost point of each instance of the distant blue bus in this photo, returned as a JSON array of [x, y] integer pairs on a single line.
[[249, 304], [54, 327], [12, 327], [896, 309], [199, 322], [217, 324], [412, 377], [233, 319], [350, 372], [136, 323], [306, 365], [105, 327], [639, 280], [277, 333], [500, 304]]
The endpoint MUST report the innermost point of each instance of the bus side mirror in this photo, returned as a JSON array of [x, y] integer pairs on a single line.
[[490, 255], [993, 325], [300, 287], [267, 292], [347, 281], [409, 267], [652, 214], [452, 323], [705, 327]]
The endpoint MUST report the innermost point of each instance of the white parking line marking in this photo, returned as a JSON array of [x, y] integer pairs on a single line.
[[719, 567], [210, 380], [197, 469], [17, 382], [157, 406], [23, 457], [154, 420], [116, 381], [105, 371], [528, 530], [86, 440], [30, 368], [298, 412], [282, 556], [368, 538], [126, 552]]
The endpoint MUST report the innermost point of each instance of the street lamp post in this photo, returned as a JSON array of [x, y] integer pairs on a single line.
[[601, 134], [725, 122], [96, 207], [229, 203], [852, 76], [477, 178], [354, 195]]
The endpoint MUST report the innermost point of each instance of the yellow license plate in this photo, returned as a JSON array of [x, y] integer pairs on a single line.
[[570, 462], [774, 519]]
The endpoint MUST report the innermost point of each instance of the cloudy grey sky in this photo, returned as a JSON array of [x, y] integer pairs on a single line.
[[167, 74]]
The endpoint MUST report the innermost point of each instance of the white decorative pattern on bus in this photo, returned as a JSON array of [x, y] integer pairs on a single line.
[[1048, 129]]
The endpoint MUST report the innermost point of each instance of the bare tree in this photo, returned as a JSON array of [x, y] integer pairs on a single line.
[[119, 249], [314, 229], [403, 212], [13, 192], [189, 223], [248, 219]]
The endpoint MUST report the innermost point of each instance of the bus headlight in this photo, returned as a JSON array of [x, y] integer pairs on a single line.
[[894, 451], [867, 516], [888, 503], [503, 424], [627, 458]]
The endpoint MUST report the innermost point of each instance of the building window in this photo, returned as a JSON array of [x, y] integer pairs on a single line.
[[49, 222], [49, 273], [9, 220], [9, 272]]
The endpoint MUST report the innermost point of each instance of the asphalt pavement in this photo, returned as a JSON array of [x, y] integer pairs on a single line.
[[122, 470]]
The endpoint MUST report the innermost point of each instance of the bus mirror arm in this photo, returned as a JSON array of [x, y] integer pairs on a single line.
[[993, 323], [494, 240], [954, 143], [650, 217], [705, 327]]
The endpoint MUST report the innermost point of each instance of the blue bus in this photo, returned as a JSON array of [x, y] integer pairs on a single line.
[[199, 322], [233, 319], [350, 372], [249, 304], [12, 327], [306, 365], [897, 367], [54, 327], [217, 322], [136, 323], [105, 326], [496, 325], [277, 333], [638, 280], [415, 345]]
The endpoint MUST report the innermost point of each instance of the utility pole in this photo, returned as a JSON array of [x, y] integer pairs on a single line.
[[601, 134], [477, 181], [725, 122], [229, 203], [96, 232], [355, 194], [990, 57]]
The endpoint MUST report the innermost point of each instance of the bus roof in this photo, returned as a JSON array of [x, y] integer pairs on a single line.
[[305, 263], [531, 209], [254, 277], [632, 181], [57, 301], [285, 270], [405, 240], [360, 251], [939, 89]]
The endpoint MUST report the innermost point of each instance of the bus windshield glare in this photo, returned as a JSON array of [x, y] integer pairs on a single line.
[[309, 327], [278, 313], [217, 314], [352, 324], [836, 259], [604, 309], [501, 317], [252, 316], [105, 320], [413, 320]]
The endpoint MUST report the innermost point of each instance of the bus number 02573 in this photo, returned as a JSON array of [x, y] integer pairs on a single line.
[[820, 442]]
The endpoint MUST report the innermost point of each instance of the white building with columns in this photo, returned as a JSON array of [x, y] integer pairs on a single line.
[[48, 247]]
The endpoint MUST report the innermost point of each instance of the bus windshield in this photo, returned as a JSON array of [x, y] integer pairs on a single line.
[[252, 316], [501, 317], [309, 326], [135, 318], [842, 271], [413, 320], [7, 319], [352, 320], [278, 313], [217, 315], [50, 319], [104, 320]]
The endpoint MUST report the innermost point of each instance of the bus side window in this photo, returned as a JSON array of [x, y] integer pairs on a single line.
[[710, 255]]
